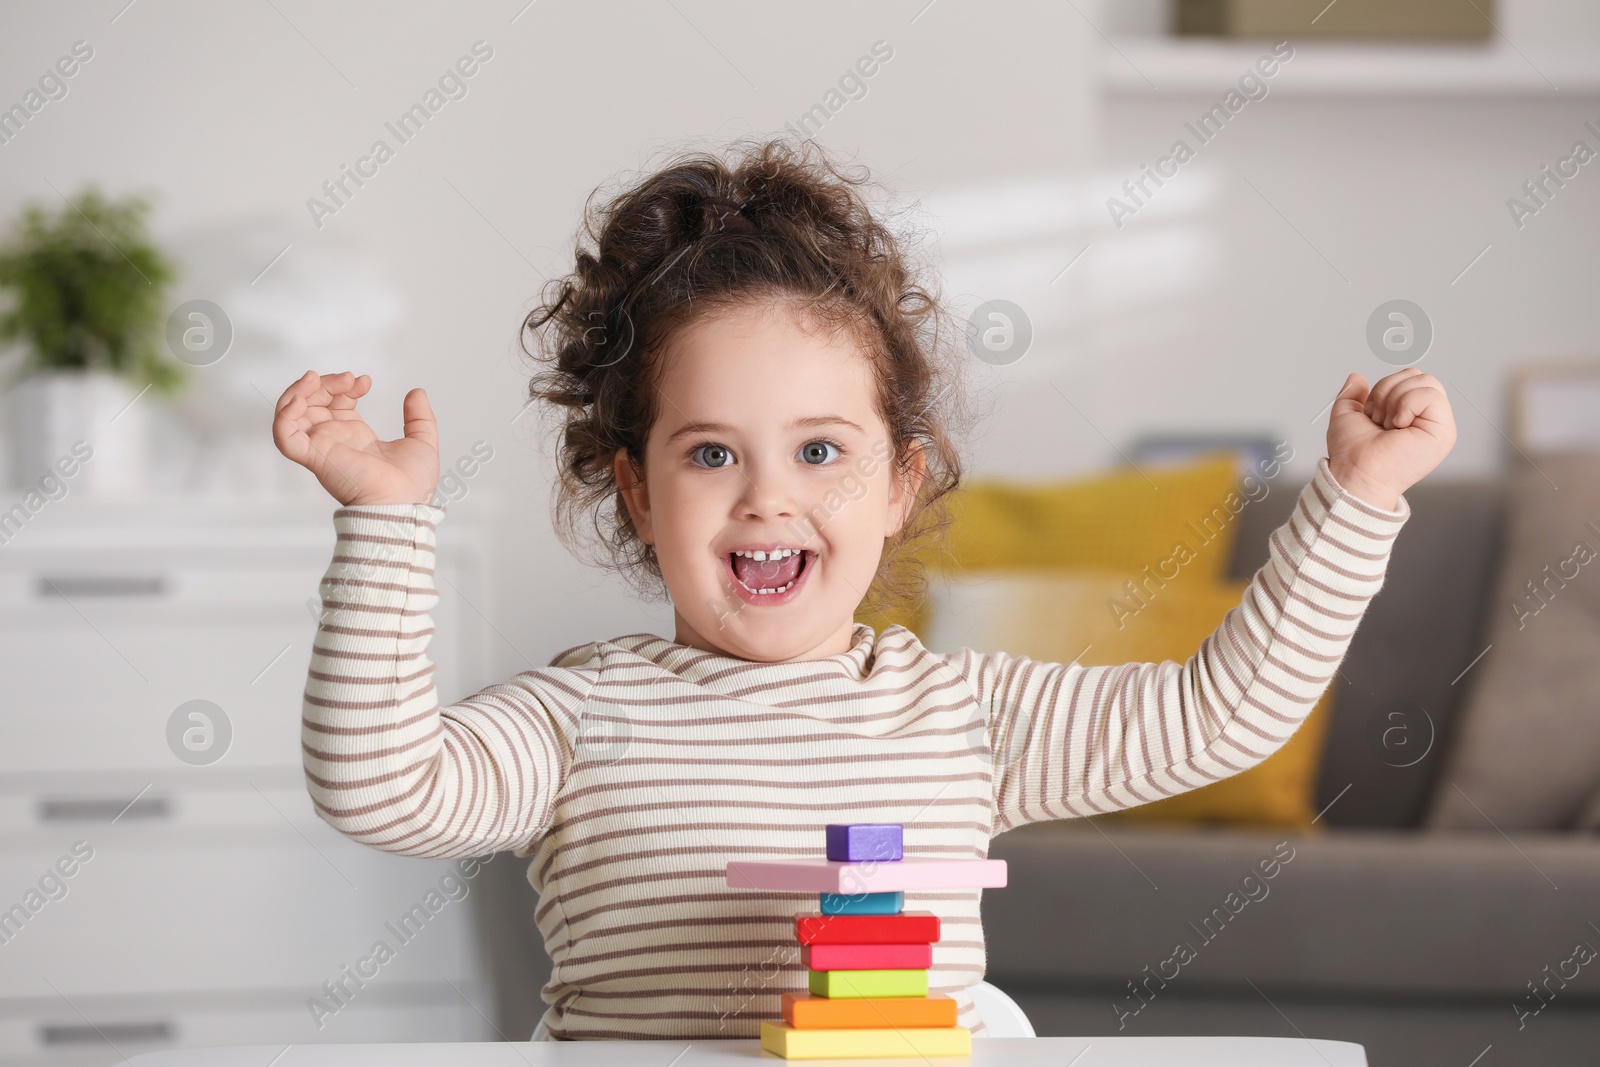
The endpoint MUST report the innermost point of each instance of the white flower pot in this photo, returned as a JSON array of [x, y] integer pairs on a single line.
[[87, 422]]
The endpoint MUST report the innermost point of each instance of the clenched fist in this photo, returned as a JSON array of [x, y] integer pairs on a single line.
[[1383, 441], [316, 425]]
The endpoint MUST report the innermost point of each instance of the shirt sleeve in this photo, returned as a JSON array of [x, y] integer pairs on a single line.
[[1071, 741], [386, 765]]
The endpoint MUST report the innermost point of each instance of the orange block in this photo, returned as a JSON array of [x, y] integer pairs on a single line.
[[804, 1011]]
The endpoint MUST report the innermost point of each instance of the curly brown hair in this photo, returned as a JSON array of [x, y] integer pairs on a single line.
[[769, 221]]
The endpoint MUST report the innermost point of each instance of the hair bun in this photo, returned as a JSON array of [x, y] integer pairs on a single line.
[[725, 215]]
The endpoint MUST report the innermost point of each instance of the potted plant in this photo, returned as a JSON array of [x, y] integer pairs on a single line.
[[86, 293]]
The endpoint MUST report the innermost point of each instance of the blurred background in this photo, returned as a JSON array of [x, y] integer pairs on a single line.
[[1172, 227]]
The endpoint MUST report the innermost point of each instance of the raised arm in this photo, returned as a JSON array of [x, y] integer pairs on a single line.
[[384, 763], [1073, 741]]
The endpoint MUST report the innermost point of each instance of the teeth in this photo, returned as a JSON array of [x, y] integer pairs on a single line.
[[781, 589], [762, 555]]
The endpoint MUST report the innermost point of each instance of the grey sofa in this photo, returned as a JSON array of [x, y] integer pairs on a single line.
[[1420, 946]]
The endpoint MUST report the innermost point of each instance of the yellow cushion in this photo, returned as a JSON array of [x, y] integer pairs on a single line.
[[1058, 556], [1090, 617], [1118, 521]]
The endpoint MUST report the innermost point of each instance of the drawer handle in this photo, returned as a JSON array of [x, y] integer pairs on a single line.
[[85, 1034], [101, 585], [101, 809]]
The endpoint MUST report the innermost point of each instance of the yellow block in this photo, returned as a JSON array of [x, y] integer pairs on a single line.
[[880, 983], [781, 1039]]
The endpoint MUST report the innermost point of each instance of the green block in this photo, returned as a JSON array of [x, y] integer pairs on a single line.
[[837, 984]]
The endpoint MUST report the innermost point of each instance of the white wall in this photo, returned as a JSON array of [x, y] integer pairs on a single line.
[[1206, 311]]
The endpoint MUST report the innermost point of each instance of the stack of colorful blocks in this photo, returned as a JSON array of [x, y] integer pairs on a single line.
[[867, 956]]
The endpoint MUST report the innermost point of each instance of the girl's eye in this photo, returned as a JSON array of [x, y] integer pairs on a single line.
[[717, 455], [816, 452]]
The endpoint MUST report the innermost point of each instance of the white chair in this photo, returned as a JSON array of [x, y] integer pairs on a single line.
[[1001, 1015]]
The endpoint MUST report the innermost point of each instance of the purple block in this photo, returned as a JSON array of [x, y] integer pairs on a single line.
[[860, 842]]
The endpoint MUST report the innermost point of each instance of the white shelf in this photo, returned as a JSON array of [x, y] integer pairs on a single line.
[[1170, 66], [212, 914]]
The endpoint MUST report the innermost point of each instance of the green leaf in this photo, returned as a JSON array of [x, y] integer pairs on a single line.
[[88, 290]]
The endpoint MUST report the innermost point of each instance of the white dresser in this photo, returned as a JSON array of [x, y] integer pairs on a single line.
[[217, 907]]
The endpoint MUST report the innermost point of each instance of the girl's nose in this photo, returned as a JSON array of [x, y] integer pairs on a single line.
[[768, 493]]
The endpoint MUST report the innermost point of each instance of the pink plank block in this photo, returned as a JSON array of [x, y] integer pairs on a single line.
[[866, 957], [805, 875]]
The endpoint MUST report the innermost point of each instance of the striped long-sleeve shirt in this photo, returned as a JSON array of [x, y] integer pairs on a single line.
[[630, 771]]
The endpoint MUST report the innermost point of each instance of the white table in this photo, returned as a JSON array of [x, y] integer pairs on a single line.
[[990, 1052]]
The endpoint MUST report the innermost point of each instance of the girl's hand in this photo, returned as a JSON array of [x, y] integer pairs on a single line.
[[1382, 442], [317, 426]]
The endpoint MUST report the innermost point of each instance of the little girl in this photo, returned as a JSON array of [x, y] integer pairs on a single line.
[[756, 395]]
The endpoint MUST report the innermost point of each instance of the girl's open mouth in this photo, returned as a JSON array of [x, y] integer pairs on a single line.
[[769, 582]]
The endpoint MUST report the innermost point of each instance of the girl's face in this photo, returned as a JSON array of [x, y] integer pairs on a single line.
[[767, 439]]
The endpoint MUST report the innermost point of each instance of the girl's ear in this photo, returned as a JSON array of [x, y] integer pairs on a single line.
[[630, 482], [903, 487]]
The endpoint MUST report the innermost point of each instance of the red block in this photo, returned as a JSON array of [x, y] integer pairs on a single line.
[[867, 957], [907, 928]]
